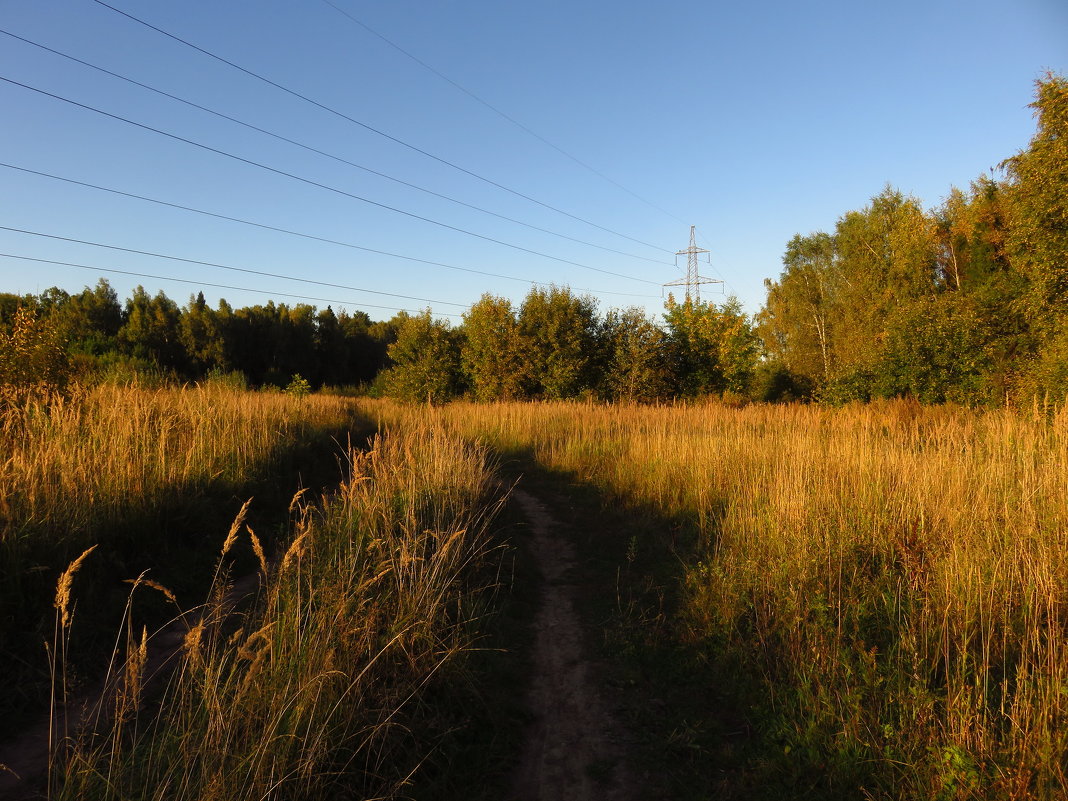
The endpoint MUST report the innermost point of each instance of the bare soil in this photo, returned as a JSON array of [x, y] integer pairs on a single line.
[[574, 750]]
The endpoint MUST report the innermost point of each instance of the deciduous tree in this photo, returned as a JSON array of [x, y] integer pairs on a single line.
[[426, 361], [637, 359], [713, 348], [494, 352], [559, 335]]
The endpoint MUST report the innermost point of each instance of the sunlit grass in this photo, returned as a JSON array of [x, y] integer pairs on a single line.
[[78, 463], [307, 694], [892, 576], [137, 472]]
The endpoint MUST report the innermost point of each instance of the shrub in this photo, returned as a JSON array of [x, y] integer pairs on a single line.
[[33, 361]]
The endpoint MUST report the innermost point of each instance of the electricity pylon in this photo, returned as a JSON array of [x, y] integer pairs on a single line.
[[693, 279]]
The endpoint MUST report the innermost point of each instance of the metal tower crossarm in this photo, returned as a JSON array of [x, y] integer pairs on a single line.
[[693, 279]]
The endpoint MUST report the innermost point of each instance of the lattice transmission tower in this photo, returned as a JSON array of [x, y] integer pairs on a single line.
[[693, 279]]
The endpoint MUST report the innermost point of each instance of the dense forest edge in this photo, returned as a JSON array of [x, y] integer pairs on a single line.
[[965, 303]]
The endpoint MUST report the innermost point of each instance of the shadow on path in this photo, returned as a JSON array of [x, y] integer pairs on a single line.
[[620, 691], [574, 748]]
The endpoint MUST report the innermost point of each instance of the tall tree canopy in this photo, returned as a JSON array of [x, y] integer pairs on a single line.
[[967, 302]]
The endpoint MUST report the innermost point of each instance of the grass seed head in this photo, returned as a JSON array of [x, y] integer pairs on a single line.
[[296, 499], [235, 527], [258, 548], [154, 585], [193, 641], [62, 602], [295, 551], [135, 667]]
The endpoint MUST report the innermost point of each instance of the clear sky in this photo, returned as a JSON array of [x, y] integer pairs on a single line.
[[751, 121]]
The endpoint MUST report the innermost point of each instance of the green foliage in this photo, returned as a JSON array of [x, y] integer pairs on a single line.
[[559, 334], [233, 380], [89, 321], [713, 348], [773, 382], [494, 355], [966, 303], [154, 340], [938, 350], [202, 335], [885, 258], [298, 387], [1045, 377], [426, 358], [797, 321], [1038, 205], [33, 361], [637, 357], [152, 330]]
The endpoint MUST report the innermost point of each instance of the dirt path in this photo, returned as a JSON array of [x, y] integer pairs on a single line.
[[574, 750]]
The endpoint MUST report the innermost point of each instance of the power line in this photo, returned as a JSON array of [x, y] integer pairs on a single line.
[[324, 153], [228, 267], [327, 187], [208, 284], [370, 128], [497, 111], [300, 234]]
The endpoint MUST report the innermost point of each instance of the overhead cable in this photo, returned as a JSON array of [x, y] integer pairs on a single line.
[[498, 112], [228, 267], [302, 235], [324, 153], [208, 284], [319, 185], [372, 129]]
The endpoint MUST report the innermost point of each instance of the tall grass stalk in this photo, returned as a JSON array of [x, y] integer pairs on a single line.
[[892, 576], [307, 694], [110, 465]]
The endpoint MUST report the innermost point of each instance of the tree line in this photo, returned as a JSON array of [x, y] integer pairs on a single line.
[[554, 345], [967, 302], [263, 345]]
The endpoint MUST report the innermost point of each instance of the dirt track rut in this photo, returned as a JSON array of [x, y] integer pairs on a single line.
[[574, 750]]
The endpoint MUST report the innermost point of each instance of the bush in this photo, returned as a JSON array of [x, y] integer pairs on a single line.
[[33, 361], [298, 387], [774, 383], [234, 380]]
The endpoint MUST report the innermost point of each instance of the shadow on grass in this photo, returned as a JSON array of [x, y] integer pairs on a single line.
[[698, 718], [477, 708], [177, 541]]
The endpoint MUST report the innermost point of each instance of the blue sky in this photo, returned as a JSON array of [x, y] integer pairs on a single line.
[[753, 122]]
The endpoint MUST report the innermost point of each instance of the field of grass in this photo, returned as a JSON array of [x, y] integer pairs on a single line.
[[356, 598], [314, 692], [883, 588], [81, 465], [150, 476], [878, 594]]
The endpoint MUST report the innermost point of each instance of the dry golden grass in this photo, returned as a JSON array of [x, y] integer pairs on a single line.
[[72, 466], [894, 576], [306, 695]]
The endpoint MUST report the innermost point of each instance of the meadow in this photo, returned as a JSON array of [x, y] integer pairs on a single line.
[[883, 586], [148, 474], [352, 599], [879, 589]]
